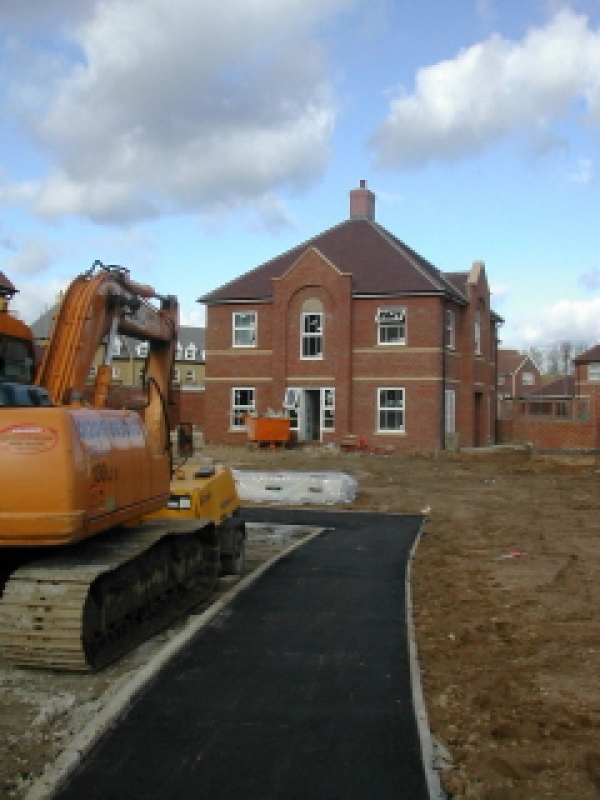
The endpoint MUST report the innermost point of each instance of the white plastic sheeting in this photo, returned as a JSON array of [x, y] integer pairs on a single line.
[[295, 488]]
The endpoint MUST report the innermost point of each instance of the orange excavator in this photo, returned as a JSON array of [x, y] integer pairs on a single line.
[[101, 544]]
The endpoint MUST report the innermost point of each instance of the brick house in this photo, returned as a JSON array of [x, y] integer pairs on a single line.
[[518, 375], [355, 334], [563, 416]]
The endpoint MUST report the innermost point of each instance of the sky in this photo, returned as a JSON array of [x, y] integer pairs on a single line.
[[192, 140]]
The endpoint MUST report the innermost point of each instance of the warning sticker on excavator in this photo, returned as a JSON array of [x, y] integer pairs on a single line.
[[27, 439]]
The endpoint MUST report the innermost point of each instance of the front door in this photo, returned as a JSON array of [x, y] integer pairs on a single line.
[[310, 415], [305, 409]]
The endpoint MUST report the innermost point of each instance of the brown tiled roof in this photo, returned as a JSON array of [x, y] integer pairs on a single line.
[[380, 264], [593, 354], [6, 287], [563, 387], [509, 361]]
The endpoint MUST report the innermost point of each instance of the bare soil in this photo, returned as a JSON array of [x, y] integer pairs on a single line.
[[506, 596]]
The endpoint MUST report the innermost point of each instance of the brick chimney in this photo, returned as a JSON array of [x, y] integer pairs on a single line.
[[362, 203]]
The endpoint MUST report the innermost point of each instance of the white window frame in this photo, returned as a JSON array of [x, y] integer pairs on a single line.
[[178, 352], [291, 403], [594, 371], [450, 322], [116, 372], [311, 340], [450, 411], [240, 410], [477, 332], [190, 352], [399, 409], [390, 319], [117, 345], [176, 375], [142, 349], [527, 379], [328, 409], [240, 331]]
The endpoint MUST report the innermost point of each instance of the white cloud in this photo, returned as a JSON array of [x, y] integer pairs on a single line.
[[567, 321], [585, 172], [500, 292], [171, 105], [194, 317], [591, 278], [493, 89], [35, 297], [33, 256]]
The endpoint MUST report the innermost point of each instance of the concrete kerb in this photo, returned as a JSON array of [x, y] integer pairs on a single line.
[[431, 752], [72, 756]]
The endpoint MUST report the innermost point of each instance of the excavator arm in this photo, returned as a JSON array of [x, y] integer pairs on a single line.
[[99, 304]]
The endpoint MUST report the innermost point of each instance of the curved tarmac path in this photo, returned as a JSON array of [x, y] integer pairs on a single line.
[[298, 690]]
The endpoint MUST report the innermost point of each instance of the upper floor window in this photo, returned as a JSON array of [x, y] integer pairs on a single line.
[[500, 380], [450, 329], [312, 335], [142, 349], [176, 375], [190, 352], [392, 325], [244, 329], [116, 346], [477, 333], [594, 371], [178, 352], [190, 376], [528, 379]]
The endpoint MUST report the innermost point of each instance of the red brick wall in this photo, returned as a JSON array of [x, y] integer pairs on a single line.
[[557, 434], [189, 406]]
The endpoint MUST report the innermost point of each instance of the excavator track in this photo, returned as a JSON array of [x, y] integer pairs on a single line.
[[88, 606]]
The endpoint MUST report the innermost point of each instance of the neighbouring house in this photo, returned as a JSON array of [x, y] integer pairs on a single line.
[[354, 334], [562, 416], [128, 359], [518, 375], [7, 291]]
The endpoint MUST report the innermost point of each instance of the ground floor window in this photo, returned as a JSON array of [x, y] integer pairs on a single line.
[[390, 409], [450, 411], [243, 402], [328, 408]]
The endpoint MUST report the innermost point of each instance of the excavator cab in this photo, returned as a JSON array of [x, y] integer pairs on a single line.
[[17, 363]]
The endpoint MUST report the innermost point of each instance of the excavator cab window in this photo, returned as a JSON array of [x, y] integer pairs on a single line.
[[16, 360]]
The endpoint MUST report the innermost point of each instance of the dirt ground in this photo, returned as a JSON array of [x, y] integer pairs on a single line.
[[506, 597]]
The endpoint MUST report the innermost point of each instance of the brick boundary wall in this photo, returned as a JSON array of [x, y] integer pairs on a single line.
[[551, 435]]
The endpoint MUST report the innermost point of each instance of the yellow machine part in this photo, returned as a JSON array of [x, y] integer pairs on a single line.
[[201, 493]]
